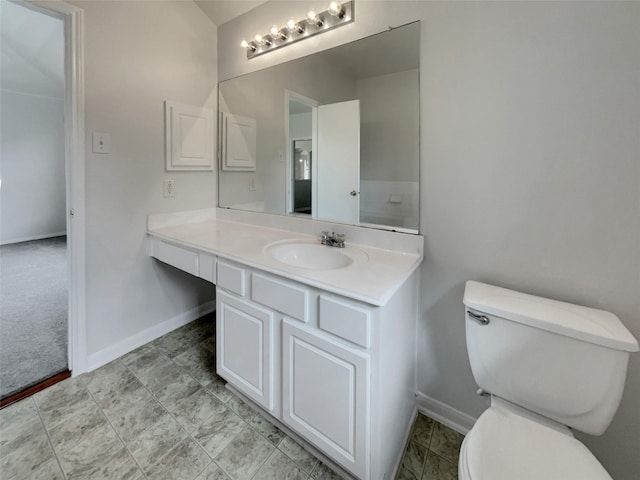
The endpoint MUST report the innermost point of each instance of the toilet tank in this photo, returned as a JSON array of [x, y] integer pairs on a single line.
[[562, 361]]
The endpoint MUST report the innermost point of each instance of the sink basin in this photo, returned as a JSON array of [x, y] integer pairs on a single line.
[[312, 255]]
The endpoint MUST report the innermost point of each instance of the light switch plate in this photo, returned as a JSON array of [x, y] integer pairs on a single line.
[[101, 142]]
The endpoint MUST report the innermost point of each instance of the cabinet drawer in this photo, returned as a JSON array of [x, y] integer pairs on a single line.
[[231, 278], [176, 256], [283, 297], [346, 320]]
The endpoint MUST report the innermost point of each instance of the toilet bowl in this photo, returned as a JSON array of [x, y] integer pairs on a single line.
[[504, 444], [549, 367]]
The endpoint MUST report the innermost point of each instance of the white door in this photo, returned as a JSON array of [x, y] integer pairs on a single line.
[[244, 347], [325, 395], [338, 160]]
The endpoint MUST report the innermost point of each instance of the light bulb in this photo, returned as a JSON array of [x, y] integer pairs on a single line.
[[313, 18], [277, 33], [248, 45], [335, 9], [295, 27], [258, 38]]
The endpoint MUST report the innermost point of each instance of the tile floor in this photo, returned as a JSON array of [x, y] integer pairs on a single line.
[[431, 452], [160, 412]]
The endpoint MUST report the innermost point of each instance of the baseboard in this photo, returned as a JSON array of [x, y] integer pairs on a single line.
[[449, 416], [106, 355], [33, 237], [407, 436]]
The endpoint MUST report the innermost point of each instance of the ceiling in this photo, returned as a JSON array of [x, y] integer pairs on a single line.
[[31, 52], [221, 11], [32, 45]]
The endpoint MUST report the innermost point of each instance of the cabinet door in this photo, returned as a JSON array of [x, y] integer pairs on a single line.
[[244, 347], [325, 395]]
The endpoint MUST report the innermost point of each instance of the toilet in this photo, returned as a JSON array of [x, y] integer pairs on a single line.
[[548, 367]]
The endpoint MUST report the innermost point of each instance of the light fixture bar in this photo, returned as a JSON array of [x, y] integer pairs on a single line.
[[306, 27]]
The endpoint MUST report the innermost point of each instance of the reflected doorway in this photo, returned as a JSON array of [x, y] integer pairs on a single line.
[[301, 149], [300, 119]]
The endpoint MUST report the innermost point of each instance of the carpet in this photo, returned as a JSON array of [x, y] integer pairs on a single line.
[[33, 312]]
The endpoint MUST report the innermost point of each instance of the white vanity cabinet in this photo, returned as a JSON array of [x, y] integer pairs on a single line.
[[331, 355], [338, 372]]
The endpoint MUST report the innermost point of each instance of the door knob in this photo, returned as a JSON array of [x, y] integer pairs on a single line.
[[353, 193]]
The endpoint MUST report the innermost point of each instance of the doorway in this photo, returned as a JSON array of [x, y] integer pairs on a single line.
[[323, 158], [300, 115], [41, 197]]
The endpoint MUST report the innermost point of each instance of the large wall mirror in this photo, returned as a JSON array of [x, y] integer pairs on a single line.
[[331, 136]]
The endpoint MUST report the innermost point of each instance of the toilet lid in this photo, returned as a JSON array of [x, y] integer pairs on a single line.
[[503, 445]]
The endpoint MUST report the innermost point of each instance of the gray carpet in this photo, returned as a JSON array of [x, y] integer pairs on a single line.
[[33, 312]]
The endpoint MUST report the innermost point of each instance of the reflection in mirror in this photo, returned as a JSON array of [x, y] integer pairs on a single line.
[[302, 155], [336, 134], [302, 160]]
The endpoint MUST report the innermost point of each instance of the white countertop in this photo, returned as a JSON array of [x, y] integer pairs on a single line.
[[373, 280]]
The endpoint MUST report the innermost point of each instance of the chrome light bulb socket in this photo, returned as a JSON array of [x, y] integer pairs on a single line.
[[336, 9]]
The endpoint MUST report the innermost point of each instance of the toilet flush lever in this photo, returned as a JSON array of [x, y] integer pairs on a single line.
[[481, 319]]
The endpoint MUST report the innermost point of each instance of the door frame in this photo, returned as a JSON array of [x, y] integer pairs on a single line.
[[73, 18]]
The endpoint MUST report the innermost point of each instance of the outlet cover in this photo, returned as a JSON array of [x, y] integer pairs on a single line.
[[169, 189], [101, 142]]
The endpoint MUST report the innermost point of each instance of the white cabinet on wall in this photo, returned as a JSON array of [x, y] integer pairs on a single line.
[[238, 142], [188, 137]]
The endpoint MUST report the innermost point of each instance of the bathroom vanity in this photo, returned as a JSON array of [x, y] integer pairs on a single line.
[[320, 338]]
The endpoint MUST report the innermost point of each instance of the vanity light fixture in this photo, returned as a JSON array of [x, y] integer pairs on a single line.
[[336, 15]]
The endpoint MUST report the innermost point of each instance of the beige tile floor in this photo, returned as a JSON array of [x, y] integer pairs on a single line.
[[160, 412]]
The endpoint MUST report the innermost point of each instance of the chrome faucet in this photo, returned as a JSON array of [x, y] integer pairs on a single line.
[[333, 240]]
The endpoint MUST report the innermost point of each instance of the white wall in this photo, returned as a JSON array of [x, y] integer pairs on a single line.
[[33, 198], [389, 142], [137, 55], [300, 125], [32, 151], [530, 113], [389, 118]]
